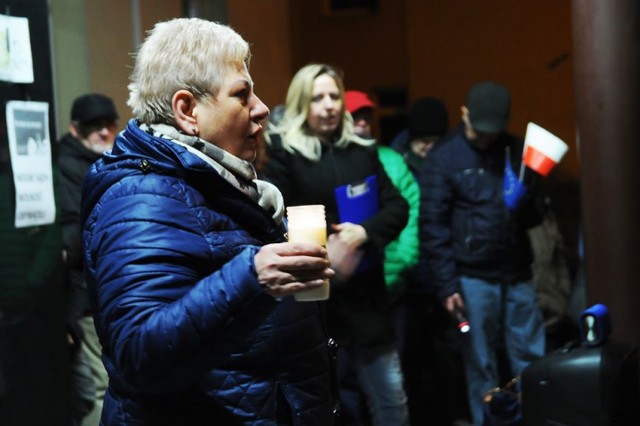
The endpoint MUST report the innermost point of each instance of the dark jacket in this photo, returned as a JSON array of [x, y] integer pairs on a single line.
[[357, 310], [189, 334], [74, 160], [466, 226]]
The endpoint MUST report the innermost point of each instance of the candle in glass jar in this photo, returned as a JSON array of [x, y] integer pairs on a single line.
[[308, 224]]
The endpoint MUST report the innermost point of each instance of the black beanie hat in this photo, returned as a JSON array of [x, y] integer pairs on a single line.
[[428, 117], [92, 107]]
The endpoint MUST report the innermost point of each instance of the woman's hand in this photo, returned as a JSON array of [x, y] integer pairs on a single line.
[[344, 257], [344, 248], [287, 268], [351, 234]]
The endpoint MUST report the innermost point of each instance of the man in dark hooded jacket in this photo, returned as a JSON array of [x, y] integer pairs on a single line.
[[92, 131]]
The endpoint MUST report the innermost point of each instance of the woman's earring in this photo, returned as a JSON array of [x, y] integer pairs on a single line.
[[195, 131]]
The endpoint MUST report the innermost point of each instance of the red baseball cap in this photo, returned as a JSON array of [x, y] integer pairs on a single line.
[[355, 100]]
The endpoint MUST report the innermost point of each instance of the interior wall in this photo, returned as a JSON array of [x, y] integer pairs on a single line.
[[110, 47], [71, 64], [93, 47], [370, 47], [153, 11], [111, 44], [265, 24]]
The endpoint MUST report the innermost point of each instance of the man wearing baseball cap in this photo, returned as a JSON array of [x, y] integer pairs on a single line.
[[92, 131], [361, 108], [477, 243]]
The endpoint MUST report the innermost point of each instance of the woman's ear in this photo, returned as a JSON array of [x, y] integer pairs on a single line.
[[183, 104]]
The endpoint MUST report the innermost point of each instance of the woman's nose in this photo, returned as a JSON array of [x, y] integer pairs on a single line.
[[260, 111], [330, 103]]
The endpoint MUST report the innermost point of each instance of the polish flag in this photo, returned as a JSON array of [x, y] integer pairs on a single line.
[[542, 149]]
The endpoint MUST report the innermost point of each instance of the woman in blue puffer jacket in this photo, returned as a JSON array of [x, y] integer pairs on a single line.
[[189, 277]]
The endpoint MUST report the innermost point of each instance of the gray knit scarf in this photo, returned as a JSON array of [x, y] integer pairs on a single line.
[[239, 173]]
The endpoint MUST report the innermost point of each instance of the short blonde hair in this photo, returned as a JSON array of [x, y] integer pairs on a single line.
[[294, 129], [183, 53]]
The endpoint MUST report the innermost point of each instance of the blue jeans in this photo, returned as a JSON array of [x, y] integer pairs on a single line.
[[498, 311], [380, 379]]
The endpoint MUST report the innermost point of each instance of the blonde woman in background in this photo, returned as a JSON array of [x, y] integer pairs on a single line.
[[313, 151]]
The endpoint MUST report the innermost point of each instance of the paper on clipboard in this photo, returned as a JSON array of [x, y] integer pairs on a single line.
[[357, 201]]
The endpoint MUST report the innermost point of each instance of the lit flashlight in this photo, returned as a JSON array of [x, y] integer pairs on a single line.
[[463, 321]]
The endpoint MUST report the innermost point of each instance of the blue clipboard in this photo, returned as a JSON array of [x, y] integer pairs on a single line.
[[357, 201]]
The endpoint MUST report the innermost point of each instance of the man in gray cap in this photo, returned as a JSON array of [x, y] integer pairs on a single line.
[[92, 131], [476, 241]]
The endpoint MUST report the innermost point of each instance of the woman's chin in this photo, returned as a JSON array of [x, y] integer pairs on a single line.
[[249, 155]]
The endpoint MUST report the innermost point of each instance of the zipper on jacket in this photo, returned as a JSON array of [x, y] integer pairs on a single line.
[[478, 170]]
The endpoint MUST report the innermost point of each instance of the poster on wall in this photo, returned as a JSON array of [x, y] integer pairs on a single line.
[[30, 149], [16, 63]]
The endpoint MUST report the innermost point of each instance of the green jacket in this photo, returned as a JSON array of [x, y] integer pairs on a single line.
[[402, 253]]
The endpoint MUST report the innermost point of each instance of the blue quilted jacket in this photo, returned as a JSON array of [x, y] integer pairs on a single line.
[[189, 336]]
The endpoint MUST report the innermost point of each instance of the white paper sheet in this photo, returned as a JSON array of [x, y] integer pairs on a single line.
[[30, 149], [16, 63]]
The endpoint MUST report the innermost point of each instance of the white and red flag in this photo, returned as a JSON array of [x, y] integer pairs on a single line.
[[542, 149]]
